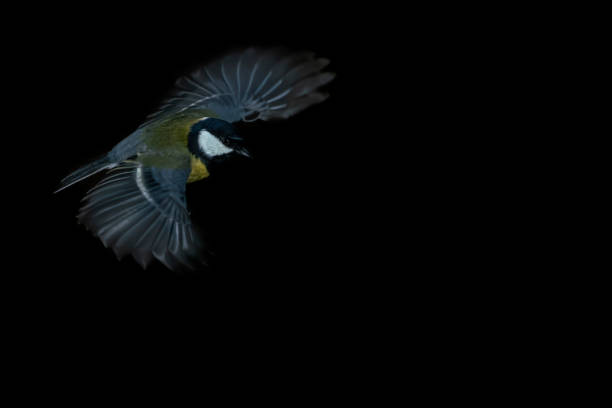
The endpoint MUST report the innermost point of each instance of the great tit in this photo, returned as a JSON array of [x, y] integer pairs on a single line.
[[139, 207]]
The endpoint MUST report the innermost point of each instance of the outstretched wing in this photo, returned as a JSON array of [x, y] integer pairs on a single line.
[[251, 84], [142, 211]]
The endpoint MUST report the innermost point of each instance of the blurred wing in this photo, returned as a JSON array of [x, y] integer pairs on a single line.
[[251, 84], [142, 211]]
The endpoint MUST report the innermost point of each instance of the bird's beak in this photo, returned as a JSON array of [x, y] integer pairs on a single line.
[[244, 152]]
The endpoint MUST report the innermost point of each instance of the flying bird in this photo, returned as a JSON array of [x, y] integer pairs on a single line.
[[139, 207]]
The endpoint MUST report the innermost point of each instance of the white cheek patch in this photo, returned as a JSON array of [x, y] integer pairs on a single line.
[[210, 145]]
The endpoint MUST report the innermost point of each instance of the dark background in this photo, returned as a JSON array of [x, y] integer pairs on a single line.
[[350, 241], [342, 203], [299, 218], [345, 241]]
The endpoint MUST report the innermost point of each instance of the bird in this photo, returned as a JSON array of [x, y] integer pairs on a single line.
[[139, 207]]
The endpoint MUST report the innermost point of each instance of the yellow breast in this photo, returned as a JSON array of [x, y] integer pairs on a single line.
[[198, 170]]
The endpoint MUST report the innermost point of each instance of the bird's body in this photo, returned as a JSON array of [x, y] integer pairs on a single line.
[[140, 207], [164, 143]]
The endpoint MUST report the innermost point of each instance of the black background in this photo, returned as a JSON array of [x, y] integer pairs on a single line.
[[299, 219], [349, 247], [352, 225]]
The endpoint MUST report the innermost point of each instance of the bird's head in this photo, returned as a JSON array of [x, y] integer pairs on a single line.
[[211, 139]]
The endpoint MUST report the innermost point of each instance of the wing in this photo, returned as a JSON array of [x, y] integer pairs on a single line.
[[142, 211], [251, 84]]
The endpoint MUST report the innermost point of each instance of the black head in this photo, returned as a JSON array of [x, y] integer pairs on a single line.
[[212, 138]]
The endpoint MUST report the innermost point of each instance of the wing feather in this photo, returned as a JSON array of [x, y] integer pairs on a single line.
[[253, 83], [142, 211]]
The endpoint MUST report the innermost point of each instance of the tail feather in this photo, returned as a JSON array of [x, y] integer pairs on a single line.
[[85, 171]]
